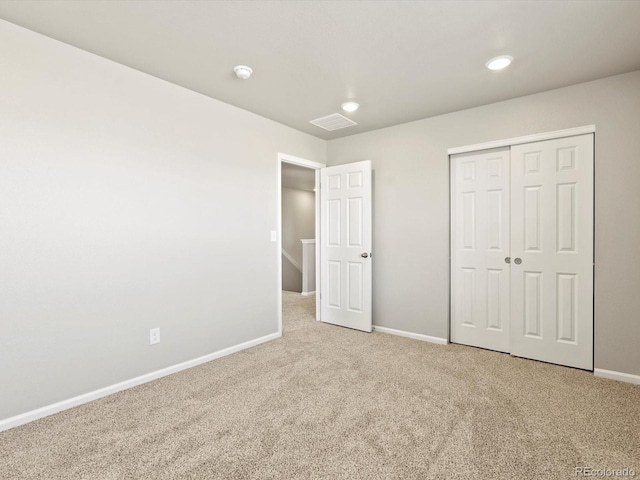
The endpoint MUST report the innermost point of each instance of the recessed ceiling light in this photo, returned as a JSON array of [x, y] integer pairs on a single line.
[[242, 71], [500, 62], [350, 107]]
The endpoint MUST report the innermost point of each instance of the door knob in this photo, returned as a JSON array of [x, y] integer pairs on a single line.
[[365, 255], [517, 261], [507, 259]]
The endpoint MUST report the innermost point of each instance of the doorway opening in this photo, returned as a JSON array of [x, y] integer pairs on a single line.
[[298, 235]]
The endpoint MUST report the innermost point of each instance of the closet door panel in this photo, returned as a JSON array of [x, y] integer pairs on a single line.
[[479, 245], [552, 250]]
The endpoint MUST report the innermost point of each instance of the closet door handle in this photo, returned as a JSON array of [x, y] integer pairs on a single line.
[[507, 259], [517, 261]]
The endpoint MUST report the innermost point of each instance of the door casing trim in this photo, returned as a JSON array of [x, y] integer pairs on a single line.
[[303, 162], [509, 142]]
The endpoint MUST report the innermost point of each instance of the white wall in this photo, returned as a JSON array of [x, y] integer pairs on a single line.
[[411, 201], [291, 276], [308, 266], [126, 203], [298, 222]]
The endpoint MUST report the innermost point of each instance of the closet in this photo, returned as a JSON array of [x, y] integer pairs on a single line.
[[522, 250]]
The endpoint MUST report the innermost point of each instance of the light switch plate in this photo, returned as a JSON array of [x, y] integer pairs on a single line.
[[274, 235]]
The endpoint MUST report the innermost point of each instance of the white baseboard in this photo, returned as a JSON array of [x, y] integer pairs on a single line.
[[415, 336], [42, 412], [308, 294], [623, 377]]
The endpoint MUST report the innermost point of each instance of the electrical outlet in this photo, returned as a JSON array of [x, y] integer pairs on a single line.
[[154, 336]]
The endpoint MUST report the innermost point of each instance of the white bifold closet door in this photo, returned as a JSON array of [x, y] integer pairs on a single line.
[[479, 246], [552, 250], [546, 242]]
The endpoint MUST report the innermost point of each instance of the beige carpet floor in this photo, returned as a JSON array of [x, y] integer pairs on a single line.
[[326, 402]]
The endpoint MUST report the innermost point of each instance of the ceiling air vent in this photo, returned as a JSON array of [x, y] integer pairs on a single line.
[[332, 122]]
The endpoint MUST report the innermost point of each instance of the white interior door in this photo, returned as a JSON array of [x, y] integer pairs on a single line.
[[552, 251], [345, 251], [479, 249]]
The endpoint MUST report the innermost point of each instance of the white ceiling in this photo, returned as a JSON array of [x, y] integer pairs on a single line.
[[401, 60]]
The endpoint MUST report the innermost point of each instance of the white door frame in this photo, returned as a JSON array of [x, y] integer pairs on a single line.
[[302, 162], [537, 137]]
